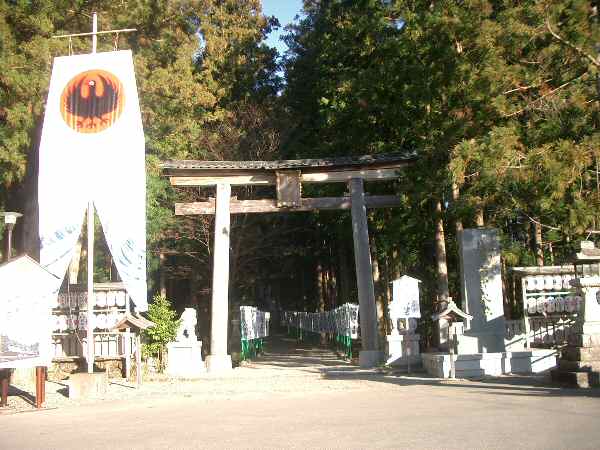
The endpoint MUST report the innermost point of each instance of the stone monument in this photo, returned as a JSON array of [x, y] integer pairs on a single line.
[[185, 354], [403, 344], [481, 290]]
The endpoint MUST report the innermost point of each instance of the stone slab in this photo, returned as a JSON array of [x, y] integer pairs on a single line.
[[465, 366], [490, 364], [87, 385], [530, 361]]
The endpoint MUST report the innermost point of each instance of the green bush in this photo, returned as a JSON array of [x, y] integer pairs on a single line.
[[163, 315]]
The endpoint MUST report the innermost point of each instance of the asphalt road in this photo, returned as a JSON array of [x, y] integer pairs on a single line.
[[379, 412]]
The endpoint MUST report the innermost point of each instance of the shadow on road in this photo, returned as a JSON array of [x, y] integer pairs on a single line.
[[286, 353]]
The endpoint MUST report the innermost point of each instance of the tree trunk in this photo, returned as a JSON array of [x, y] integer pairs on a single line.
[[440, 254], [538, 244], [321, 295], [380, 290], [345, 277], [162, 284], [442, 276], [455, 196], [387, 293], [27, 196], [479, 217]]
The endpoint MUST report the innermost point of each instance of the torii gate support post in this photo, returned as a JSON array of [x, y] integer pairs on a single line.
[[369, 356], [219, 360]]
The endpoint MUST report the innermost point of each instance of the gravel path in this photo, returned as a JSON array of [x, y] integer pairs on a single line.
[[286, 369]]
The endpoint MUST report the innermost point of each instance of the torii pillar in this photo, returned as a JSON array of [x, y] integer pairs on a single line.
[[370, 355], [219, 360]]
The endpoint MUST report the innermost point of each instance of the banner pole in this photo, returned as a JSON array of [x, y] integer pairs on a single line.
[[90, 287], [90, 249], [94, 31]]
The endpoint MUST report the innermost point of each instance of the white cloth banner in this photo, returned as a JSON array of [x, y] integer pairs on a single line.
[[405, 304], [92, 148]]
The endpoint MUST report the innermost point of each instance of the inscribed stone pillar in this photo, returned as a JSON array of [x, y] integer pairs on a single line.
[[219, 360], [370, 355], [481, 288]]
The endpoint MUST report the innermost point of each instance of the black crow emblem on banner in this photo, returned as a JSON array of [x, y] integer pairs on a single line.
[[92, 101]]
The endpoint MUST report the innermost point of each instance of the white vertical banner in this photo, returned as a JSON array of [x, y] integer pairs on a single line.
[[92, 148]]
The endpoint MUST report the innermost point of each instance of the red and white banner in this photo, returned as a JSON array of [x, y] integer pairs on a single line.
[[92, 148]]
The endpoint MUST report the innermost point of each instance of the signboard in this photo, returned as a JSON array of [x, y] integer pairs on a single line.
[[405, 304], [27, 294], [92, 149]]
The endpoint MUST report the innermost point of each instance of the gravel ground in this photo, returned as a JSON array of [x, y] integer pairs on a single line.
[[286, 369]]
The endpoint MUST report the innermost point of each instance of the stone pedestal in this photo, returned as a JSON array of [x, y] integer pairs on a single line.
[[579, 364], [368, 359], [87, 385], [402, 349], [185, 359], [218, 363]]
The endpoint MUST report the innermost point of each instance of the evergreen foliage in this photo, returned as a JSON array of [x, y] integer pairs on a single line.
[[161, 312], [500, 101]]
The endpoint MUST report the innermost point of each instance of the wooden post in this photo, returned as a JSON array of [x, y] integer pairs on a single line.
[[219, 360], [40, 386], [526, 325], [127, 352], [451, 355], [138, 359], [5, 378], [370, 355]]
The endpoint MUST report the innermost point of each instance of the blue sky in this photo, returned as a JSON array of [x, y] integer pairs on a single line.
[[285, 11]]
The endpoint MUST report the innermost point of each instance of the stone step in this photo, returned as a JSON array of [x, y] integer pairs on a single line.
[[573, 353], [576, 379], [470, 373], [578, 366]]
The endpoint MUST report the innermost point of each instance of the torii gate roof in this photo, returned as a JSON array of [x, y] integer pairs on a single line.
[[195, 167]]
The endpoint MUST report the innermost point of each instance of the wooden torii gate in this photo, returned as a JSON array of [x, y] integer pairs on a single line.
[[288, 177]]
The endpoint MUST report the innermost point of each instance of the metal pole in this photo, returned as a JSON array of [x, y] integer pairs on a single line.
[[94, 31], [90, 287], [9, 230], [90, 250]]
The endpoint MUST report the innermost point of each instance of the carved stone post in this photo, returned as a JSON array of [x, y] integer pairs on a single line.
[[219, 360], [370, 355]]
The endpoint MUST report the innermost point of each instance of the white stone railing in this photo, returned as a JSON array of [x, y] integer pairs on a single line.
[[342, 320], [254, 323], [254, 327], [543, 331]]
